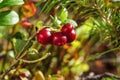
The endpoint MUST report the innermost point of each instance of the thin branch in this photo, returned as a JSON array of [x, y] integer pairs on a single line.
[[15, 62], [100, 76], [31, 50], [11, 67], [34, 61], [97, 55], [24, 48]]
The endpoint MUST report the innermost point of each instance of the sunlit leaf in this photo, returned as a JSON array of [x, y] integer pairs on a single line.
[[1, 1], [11, 54], [24, 70], [63, 14], [8, 18], [39, 76]]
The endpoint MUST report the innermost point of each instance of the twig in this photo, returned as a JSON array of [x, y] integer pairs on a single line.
[[100, 76], [34, 61], [17, 58], [27, 43], [11, 67], [97, 55]]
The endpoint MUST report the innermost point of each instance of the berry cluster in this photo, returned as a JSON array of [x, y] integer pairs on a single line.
[[66, 35]]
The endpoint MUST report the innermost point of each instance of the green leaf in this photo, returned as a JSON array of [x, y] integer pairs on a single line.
[[8, 18], [8, 3], [63, 15], [11, 54], [39, 76], [71, 22], [1, 1], [56, 22], [19, 44]]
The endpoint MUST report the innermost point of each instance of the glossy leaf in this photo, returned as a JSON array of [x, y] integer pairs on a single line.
[[64, 14], [7, 3], [8, 18], [1, 1]]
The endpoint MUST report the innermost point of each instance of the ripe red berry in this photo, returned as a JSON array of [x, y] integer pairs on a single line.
[[71, 36], [59, 39], [24, 75], [44, 36], [67, 28]]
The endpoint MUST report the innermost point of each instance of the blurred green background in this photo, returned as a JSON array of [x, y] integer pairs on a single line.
[[94, 52]]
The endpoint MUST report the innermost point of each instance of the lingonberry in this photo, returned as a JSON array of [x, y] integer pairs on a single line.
[[71, 36], [44, 36], [24, 75], [67, 28], [59, 39]]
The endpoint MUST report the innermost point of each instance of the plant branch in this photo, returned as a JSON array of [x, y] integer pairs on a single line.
[[24, 48], [11, 67], [34, 61], [15, 62], [100, 76], [97, 55], [31, 50]]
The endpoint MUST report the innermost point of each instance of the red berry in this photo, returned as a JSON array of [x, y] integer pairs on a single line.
[[67, 28], [59, 39], [71, 36], [44, 36], [24, 75]]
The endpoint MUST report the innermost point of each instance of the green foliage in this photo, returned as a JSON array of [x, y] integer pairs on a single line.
[[3, 32], [56, 21], [109, 78], [95, 21], [19, 44], [8, 18], [63, 15], [8, 3], [1, 1]]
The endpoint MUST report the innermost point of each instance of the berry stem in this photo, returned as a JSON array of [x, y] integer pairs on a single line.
[[34, 61], [24, 48], [16, 60]]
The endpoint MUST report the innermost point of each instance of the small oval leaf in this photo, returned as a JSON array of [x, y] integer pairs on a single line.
[[8, 18], [63, 15]]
